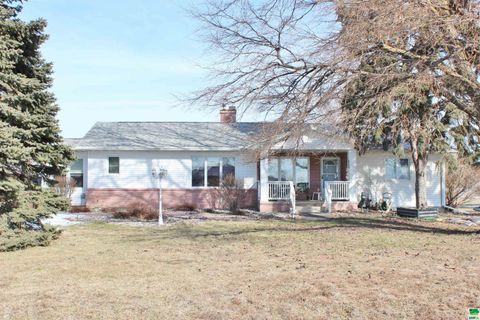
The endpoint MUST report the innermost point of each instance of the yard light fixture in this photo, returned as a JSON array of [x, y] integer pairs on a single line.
[[159, 175]]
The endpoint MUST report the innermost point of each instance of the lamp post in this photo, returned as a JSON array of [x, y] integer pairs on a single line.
[[159, 174]]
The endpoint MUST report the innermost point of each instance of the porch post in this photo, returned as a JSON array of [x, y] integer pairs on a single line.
[[352, 175], [264, 180]]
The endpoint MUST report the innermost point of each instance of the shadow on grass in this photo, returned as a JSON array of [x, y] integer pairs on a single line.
[[232, 229]]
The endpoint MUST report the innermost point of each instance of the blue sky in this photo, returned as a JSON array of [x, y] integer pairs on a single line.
[[121, 60]]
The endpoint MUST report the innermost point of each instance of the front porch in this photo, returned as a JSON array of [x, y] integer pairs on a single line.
[[308, 181]]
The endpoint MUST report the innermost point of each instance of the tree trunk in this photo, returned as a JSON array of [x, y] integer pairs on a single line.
[[420, 164], [421, 184]]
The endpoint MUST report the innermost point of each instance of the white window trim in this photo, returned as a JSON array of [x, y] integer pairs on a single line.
[[69, 173], [205, 170], [396, 169], [108, 165], [339, 169], [294, 167], [338, 166]]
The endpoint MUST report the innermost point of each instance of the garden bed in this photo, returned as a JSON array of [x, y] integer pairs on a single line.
[[417, 213]]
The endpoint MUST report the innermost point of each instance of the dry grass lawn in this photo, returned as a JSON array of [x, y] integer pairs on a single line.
[[347, 268]]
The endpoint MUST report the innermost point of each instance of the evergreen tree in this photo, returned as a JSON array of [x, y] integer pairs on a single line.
[[31, 148], [418, 91]]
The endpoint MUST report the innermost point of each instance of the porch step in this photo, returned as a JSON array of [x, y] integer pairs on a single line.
[[310, 207]]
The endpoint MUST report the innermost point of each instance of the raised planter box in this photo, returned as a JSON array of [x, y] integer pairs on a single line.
[[417, 213]]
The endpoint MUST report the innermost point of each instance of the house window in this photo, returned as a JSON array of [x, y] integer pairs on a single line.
[[113, 165], [198, 172], [213, 172], [228, 167], [301, 174], [76, 173], [390, 169], [397, 169], [273, 168], [208, 172], [289, 169], [286, 169], [403, 169]]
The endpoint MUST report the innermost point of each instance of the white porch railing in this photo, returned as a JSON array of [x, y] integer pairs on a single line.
[[283, 190], [339, 189], [279, 190]]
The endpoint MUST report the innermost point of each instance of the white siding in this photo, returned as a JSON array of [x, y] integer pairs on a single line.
[[136, 168], [371, 176]]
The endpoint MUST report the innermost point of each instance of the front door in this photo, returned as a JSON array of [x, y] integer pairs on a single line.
[[330, 170]]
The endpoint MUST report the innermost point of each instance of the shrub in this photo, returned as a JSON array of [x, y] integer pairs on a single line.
[[64, 186], [20, 219], [185, 207], [136, 210], [231, 194], [79, 209], [462, 182]]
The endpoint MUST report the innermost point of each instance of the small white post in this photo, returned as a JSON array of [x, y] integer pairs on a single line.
[[292, 195], [160, 174], [352, 175], [160, 202], [264, 180], [328, 195]]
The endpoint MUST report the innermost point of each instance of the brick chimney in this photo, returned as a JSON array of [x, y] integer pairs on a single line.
[[228, 115]]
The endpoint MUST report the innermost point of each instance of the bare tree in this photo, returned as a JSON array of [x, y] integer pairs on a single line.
[[64, 186], [230, 195], [416, 84], [402, 73], [462, 183], [272, 57]]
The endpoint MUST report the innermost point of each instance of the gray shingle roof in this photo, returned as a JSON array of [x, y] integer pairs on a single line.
[[192, 136]]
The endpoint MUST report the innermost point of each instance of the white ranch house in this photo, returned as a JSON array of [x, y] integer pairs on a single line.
[[115, 161]]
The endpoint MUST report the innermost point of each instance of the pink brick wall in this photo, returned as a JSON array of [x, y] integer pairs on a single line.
[[346, 206], [122, 198], [277, 206], [314, 174]]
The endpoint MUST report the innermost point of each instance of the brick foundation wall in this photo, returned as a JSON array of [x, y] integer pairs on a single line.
[[172, 198], [347, 206], [277, 206]]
